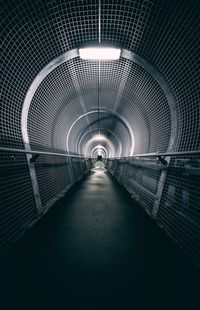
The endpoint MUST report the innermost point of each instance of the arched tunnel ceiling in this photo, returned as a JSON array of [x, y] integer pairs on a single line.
[[164, 33], [125, 89]]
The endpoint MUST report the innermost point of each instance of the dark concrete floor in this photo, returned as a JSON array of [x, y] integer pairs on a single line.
[[97, 250]]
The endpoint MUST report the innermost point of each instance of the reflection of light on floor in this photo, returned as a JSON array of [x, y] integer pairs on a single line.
[[99, 167]]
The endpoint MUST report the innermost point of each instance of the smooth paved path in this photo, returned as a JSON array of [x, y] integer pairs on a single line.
[[97, 250]]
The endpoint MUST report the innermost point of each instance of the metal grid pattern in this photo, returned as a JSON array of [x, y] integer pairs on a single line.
[[35, 33], [140, 177], [144, 105], [125, 89], [179, 212], [54, 178], [165, 33], [53, 109], [17, 209], [32, 34]]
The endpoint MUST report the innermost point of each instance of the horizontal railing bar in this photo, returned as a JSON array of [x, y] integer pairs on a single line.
[[7, 149], [14, 150], [160, 154]]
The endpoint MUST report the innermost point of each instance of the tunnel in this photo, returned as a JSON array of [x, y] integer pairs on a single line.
[[96, 146]]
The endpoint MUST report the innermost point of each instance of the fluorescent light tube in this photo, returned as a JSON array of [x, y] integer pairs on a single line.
[[99, 53]]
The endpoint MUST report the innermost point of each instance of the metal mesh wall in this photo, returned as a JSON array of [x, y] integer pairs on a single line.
[[140, 177], [167, 34], [178, 212], [125, 89], [164, 33], [54, 178], [17, 205], [18, 209]]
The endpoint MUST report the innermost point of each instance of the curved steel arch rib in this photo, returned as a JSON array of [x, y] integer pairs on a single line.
[[110, 113], [103, 129]]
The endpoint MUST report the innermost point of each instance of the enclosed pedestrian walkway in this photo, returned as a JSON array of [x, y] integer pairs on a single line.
[[98, 250], [115, 81]]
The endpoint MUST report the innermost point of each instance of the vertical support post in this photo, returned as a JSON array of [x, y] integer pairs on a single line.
[[161, 184], [125, 171], [71, 170], [34, 182], [116, 167]]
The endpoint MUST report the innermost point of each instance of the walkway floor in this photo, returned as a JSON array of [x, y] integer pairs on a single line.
[[97, 250]]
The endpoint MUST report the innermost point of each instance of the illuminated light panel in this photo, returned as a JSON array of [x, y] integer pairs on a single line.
[[99, 53]]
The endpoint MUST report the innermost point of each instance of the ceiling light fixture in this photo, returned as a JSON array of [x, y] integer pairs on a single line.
[[100, 53]]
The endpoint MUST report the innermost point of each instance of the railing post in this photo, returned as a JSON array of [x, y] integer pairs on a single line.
[[34, 182], [71, 171], [160, 188], [125, 171]]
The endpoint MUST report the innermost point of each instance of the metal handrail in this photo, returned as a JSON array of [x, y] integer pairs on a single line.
[[160, 154], [7, 149], [14, 150]]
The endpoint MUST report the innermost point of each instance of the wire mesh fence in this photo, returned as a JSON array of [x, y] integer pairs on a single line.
[[166, 34], [17, 205], [54, 176], [179, 211], [168, 191]]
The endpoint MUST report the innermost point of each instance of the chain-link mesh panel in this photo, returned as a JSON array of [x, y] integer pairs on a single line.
[[79, 167], [17, 204], [179, 211], [125, 89], [140, 177], [18, 210], [53, 176], [165, 33]]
